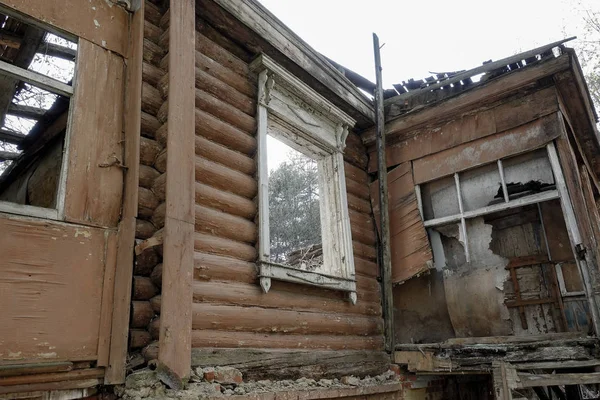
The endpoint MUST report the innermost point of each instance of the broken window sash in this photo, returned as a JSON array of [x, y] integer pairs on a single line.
[[37, 69], [295, 114]]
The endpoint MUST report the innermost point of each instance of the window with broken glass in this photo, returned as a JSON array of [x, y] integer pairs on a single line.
[[506, 184], [37, 67], [304, 226]]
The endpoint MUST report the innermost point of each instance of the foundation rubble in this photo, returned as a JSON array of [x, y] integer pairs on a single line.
[[209, 382]]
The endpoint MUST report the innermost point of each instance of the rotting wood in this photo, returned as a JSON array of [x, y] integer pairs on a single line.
[[178, 263], [209, 338], [292, 364], [34, 368], [98, 21], [51, 377], [538, 380], [51, 386], [257, 319], [100, 115]]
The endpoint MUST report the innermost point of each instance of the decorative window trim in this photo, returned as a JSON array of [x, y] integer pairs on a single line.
[[294, 113]]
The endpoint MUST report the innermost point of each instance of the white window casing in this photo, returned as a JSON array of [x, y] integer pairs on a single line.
[[298, 116]]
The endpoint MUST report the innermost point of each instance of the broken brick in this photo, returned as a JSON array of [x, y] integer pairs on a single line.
[[227, 376]]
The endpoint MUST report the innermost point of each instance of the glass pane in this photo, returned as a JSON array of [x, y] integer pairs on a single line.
[[294, 208], [481, 187], [528, 174], [439, 198]]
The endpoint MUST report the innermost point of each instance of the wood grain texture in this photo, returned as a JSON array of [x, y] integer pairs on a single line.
[[94, 185], [45, 266], [96, 21], [178, 250], [115, 373]]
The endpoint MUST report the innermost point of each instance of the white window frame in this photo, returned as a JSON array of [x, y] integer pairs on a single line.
[[297, 115], [56, 87], [508, 204]]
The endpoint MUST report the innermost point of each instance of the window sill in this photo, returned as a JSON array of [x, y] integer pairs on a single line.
[[28, 211], [269, 270]]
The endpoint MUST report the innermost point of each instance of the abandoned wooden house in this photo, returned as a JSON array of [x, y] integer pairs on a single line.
[[145, 229]]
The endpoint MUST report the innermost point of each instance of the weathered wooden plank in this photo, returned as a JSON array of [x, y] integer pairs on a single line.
[[108, 286], [486, 150], [261, 320], [94, 185], [210, 338], [178, 249], [97, 21], [291, 364], [540, 380], [45, 265]]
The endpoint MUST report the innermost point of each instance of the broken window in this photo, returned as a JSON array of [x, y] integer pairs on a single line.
[[506, 184], [304, 226], [37, 68]]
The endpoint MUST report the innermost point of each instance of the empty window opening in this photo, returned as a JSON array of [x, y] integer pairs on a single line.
[[37, 68], [294, 208]]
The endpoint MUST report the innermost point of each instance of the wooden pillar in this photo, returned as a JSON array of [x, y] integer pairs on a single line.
[[178, 246], [115, 371], [385, 250]]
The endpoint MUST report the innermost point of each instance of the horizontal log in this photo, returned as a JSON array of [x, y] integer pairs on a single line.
[[217, 53], [144, 229], [65, 378], [225, 201], [155, 303], [366, 267], [360, 190], [149, 125], [147, 202], [214, 222], [356, 174], [145, 262], [256, 319], [152, 53], [152, 31], [356, 157], [139, 338], [365, 221], [156, 276], [147, 175], [358, 204], [163, 112], [161, 134], [224, 178], [364, 251], [225, 247], [149, 149], [284, 296], [141, 314], [223, 133], [152, 13], [151, 99], [215, 152], [158, 187], [257, 364], [236, 48], [209, 267], [208, 338], [154, 328], [151, 74], [161, 161], [158, 217], [225, 111], [241, 83], [143, 288], [363, 234]]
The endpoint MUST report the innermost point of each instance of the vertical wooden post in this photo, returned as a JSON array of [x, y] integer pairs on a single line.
[[178, 246], [115, 372], [386, 259]]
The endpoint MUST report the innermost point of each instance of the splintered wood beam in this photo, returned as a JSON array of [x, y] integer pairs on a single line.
[[30, 112], [58, 51], [178, 250], [12, 137], [8, 155]]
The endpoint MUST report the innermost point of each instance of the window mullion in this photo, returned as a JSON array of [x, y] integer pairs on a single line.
[[463, 223], [503, 181]]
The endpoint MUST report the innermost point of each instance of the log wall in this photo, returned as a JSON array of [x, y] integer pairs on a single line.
[[230, 310], [151, 206]]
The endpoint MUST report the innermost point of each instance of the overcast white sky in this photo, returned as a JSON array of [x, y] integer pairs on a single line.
[[422, 36], [427, 36]]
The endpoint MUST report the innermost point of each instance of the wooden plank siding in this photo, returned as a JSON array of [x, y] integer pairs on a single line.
[[411, 252], [230, 310]]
